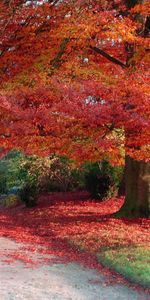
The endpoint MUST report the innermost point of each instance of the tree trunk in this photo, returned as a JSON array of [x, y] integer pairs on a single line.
[[137, 173], [137, 189]]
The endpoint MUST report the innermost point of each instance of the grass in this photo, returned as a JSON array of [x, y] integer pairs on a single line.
[[132, 262]]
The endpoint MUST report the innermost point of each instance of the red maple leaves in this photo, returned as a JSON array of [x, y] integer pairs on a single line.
[[64, 217], [53, 58]]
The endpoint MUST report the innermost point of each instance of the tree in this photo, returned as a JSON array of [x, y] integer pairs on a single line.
[[74, 80], [137, 173]]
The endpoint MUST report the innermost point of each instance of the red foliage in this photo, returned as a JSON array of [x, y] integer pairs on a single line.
[[59, 218], [49, 67]]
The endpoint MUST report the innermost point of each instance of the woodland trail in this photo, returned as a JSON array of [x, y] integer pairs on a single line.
[[54, 279]]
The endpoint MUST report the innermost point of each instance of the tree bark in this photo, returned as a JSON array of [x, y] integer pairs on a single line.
[[137, 173], [137, 189]]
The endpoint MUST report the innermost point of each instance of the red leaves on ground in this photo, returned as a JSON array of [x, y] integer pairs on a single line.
[[56, 224], [60, 216]]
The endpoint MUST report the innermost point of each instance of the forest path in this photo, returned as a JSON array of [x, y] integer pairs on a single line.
[[54, 280]]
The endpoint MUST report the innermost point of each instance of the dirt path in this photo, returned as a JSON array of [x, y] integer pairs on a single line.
[[55, 280]]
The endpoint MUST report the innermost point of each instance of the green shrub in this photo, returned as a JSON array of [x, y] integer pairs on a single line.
[[51, 174], [28, 194], [78, 179], [102, 180], [3, 184]]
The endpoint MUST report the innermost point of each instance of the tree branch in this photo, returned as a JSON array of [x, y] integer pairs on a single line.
[[56, 62], [109, 57], [147, 27]]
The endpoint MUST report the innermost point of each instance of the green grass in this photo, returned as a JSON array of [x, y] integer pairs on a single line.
[[132, 262]]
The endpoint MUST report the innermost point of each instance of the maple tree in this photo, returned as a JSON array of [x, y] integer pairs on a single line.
[[74, 81]]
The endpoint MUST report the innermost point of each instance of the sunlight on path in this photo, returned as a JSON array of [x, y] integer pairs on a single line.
[[54, 280]]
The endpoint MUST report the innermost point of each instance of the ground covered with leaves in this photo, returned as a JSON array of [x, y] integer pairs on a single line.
[[73, 227]]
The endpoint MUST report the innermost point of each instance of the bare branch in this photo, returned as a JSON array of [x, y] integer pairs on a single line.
[[56, 62], [109, 57]]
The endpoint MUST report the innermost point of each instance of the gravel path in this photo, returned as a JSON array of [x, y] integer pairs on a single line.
[[54, 281]]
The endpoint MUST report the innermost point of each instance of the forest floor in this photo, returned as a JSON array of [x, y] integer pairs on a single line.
[[53, 251]]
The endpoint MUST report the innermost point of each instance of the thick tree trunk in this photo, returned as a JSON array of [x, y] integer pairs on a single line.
[[137, 173], [137, 189]]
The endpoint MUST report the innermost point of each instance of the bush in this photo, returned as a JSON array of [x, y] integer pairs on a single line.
[[78, 179], [11, 200], [51, 174], [28, 194], [3, 184], [102, 180]]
